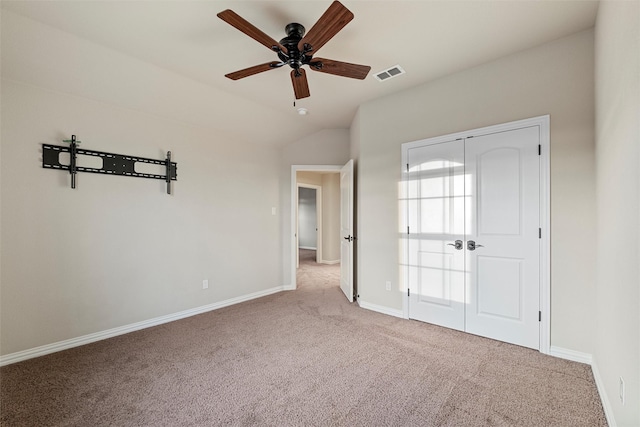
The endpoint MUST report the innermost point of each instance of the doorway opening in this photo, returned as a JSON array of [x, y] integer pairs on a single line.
[[316, 207], [310, 220]]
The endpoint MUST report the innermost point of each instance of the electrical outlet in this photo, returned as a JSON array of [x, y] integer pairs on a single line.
[[388, 285], [205, 284], [622, 390]]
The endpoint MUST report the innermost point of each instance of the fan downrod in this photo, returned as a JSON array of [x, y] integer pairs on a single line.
[[295, 30]]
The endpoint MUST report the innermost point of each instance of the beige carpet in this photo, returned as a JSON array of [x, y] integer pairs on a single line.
[[304, 357]]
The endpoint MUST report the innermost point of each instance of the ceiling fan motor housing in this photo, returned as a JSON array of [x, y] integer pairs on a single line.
[[294, 57]]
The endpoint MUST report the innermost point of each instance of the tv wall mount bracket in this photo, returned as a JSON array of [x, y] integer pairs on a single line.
[[112, 164]]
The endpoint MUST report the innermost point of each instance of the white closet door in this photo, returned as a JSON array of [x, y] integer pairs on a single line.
[[484, 193], [435, 204], [503, 193]]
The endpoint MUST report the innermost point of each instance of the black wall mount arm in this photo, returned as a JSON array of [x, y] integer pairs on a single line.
[[112, 164]]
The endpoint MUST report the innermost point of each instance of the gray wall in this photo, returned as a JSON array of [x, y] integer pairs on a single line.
[[555, 79], [617, 336]]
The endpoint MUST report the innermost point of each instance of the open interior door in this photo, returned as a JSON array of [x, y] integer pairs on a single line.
[[346, 230]]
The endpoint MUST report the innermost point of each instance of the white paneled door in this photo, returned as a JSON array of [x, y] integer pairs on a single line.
[[473, 207], [504, 217], [346, 230], [435, 202]]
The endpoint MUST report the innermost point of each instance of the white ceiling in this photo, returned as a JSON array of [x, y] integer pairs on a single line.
[[429, 39]]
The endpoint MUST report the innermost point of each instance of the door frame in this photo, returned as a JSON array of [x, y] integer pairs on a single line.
[[293, 240], [543, 123], [318, 189]]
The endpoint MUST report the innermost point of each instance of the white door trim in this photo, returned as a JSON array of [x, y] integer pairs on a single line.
[[293, 241], [543, 122]]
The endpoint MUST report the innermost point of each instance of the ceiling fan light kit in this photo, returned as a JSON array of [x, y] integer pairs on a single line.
[[298, 47]]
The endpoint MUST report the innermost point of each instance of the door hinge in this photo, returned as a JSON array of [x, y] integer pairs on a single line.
[[539, 316], [539, 150], [407, 167], [539, 233], [407, 229], [408, 294]]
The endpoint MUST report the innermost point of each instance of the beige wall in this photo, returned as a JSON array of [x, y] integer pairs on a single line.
[[311, 178], [119, 250], [64, 275], [327, 147], [555, 79], [617, 348], [331, 217]]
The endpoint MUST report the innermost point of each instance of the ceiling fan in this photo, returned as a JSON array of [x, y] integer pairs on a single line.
[[297, 49]]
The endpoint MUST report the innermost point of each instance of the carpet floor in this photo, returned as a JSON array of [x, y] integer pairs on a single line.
[[305, 357]]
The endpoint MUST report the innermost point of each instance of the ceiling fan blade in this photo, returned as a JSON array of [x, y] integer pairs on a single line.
[[240, 74], [300, 84], [332, 21], [339, 68], [235, 20]]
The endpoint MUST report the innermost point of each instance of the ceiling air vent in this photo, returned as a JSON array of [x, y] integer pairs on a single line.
[[387, 74]]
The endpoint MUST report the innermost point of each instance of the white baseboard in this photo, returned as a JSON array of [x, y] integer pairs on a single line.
[[110, 333], [604, 398], [380, 309], [576, 356], [308, 247], [332, 262]]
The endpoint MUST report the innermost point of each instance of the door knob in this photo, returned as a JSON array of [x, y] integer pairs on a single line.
[[471, 245], [457, 244]]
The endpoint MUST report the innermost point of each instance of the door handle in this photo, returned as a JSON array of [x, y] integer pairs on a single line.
[[349, 238], [472, 246], [457, 244]]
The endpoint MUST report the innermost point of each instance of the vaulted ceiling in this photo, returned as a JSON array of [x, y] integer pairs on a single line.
[[428, 39]]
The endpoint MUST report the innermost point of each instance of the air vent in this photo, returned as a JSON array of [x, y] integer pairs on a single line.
[[387, 74]]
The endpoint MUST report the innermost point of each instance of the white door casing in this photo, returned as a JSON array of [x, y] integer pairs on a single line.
[[346, 230], [500, 207]]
